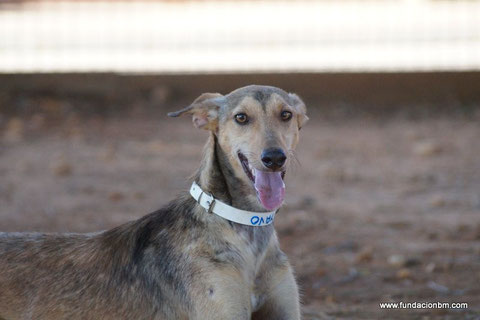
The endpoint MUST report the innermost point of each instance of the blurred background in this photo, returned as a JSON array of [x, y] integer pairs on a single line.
[[385, 202]]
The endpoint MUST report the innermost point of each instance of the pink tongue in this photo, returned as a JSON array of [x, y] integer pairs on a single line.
[[270, 188]]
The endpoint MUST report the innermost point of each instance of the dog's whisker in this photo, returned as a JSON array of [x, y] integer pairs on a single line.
[[293, 159], [252, 155]]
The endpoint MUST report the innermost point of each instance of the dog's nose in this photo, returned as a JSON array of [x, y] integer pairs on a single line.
[[273, 158]]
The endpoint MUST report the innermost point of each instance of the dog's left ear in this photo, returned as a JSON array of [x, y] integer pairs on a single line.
[[301, 109], [204, 111]]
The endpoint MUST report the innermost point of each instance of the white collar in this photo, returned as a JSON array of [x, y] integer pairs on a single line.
[[223, 210]]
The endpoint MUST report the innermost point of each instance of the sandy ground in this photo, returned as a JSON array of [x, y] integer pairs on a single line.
[[377, 209]]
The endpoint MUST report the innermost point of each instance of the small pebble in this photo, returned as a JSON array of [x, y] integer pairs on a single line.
[[116, 196], [62, 168], [438, 287], [412, 262], [426, 148], [404, 274], [431, 267], [396, 260], [438, 201], [366, 255]]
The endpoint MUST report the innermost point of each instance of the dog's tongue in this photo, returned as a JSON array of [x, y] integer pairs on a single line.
[[270, 188]]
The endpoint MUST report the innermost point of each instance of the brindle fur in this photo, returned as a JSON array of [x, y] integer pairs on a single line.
[[178, 262]]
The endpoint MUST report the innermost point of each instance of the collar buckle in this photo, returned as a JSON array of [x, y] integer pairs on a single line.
[[211, 204], [210, 201]]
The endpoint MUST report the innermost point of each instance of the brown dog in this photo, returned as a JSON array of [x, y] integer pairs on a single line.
[[184, 261]]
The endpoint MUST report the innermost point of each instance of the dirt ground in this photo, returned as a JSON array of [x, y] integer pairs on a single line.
[[378, 209]]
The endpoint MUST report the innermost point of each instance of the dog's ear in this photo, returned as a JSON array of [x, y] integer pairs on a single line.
[[204, 111], [301, 109]]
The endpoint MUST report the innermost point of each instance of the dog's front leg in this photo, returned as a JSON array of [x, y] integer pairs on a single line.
[[281, 299]]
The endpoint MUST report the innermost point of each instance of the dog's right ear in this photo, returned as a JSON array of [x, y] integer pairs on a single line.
[[204, 111], [301, 109]]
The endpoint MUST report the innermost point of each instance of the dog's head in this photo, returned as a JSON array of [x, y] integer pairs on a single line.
[[257, 127]]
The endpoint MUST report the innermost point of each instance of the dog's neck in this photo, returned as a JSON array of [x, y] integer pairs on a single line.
[[216, 176]]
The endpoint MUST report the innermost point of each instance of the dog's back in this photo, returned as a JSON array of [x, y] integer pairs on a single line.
[[106, 275], [54, 258]]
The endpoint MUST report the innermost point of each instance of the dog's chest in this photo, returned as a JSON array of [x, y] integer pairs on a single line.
[[256, 300], [254, 241], [253, 244]]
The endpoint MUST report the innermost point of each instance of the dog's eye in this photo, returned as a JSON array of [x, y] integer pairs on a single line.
[[241, 118], [286, 115]]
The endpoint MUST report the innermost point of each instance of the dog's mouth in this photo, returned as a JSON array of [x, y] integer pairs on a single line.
[[269, 185]]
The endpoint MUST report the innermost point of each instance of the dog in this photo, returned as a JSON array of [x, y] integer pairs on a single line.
[[209, 254]]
